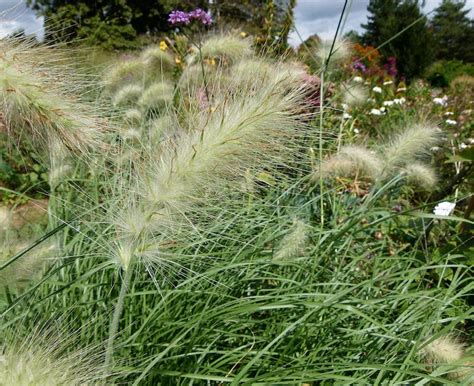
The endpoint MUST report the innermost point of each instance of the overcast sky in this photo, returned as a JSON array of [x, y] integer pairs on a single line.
[[311, 16]]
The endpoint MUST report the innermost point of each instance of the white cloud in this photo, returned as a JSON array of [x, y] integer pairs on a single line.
[[15, 15]]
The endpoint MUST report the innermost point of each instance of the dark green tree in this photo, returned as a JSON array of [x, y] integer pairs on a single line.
[[413, 49], [110, 23], [453, 31]]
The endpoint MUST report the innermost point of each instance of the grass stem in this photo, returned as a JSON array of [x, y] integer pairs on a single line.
[[117, 315]]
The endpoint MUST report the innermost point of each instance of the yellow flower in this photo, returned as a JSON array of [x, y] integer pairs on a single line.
[[177, 60], [213, 62], [243, 34], [163, 45]]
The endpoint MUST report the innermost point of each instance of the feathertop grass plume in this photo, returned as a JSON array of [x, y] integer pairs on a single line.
[[157, 96], [243, 132], [5, 218], [39, 100], [127, 95], [352, 160], [133, 116], [411, 144], [420, 175], [155, 59], [447, 351], [354, 95], [159, 127], [125, 72], [226, 49], [293, 243], [26, 269], [340, 52], [42, 359]]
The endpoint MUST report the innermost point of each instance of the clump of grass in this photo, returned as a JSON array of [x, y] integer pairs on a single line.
[[197, 171]]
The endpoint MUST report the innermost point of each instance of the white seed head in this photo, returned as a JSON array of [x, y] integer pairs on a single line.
[[294, 242]]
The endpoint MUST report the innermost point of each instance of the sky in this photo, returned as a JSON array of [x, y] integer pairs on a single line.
[[311, 16]]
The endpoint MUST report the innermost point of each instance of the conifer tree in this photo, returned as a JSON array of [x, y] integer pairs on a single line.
[[413, 49], [453, 31]]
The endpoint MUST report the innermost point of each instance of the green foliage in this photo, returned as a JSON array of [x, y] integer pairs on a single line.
[[441, 73], [453, 31], [231, 266], [413, 49]]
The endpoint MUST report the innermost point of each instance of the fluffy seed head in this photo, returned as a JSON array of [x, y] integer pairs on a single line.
[[42, 359], [447, 351], [354, 95], [28, 267], [294, 242], [226, 49], [125, 72], [157, 96], [38, 100], [200, 166], [127, 95], [419, 175], [409, 145], [340, 52], [444, 349], [156, 59], [133, 116], [352, 160]]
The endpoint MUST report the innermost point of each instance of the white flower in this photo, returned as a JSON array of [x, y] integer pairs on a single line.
[[386, 83], [358, 79], [346, 116], [375, 112], [434, 148], [441, 101], [345, 106], [382, 109], [399, 101], [356, 130], [471, 141], [451, 122], [400, 89], [444, 208], [377, 89], [447, 113], [388, 103], [462, 145]]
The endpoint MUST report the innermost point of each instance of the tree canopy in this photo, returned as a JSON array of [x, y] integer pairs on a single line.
[[117, 23], [414, 47], [453, 31]]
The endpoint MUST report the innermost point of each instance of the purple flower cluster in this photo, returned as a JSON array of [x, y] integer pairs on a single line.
[[391, 66], [181, 17], [358, 65]]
